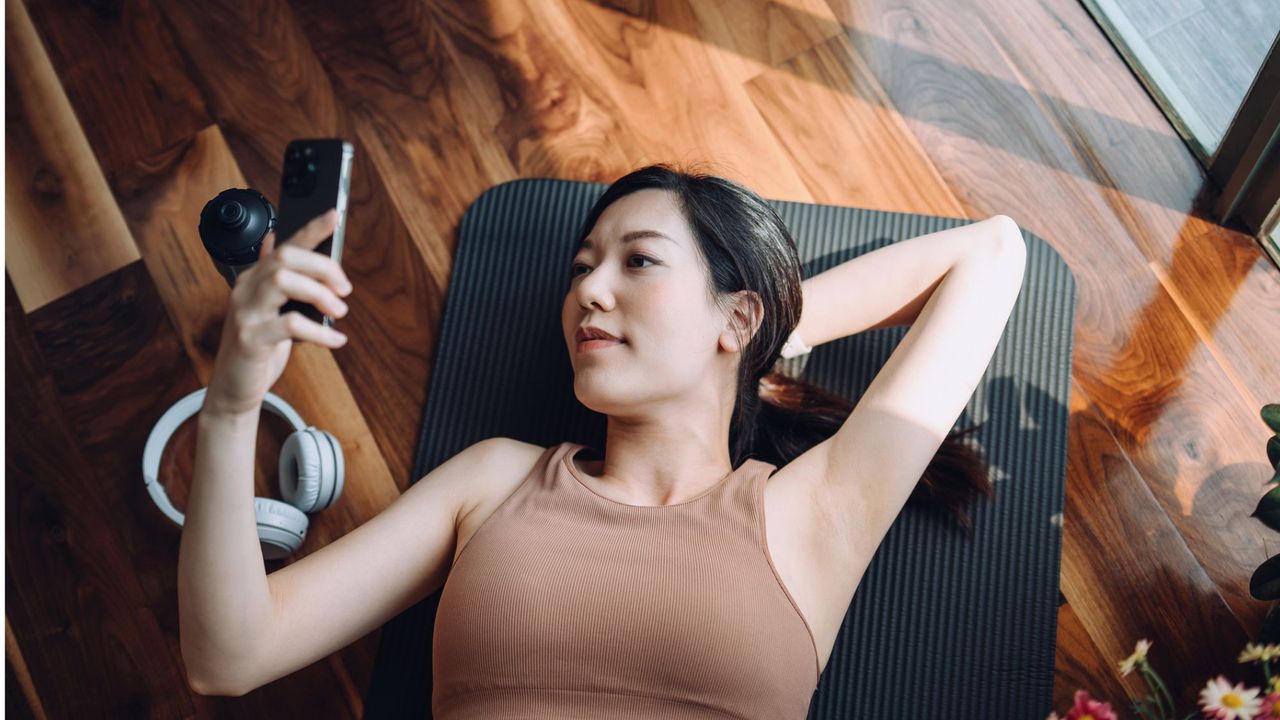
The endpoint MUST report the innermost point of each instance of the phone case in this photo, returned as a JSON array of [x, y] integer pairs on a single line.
[[316, 176]]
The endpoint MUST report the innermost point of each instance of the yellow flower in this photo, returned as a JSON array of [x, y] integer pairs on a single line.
[[1254, 652], [1139, 653], [1275, 684]]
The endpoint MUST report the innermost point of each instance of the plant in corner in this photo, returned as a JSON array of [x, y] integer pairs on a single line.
[[1219, 699], [1265, 583]]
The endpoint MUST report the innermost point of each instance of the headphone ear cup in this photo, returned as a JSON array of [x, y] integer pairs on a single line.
[[311, 470], [282, 528], [332, 482], [301, 469]]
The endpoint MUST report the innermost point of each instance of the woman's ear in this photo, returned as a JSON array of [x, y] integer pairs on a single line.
[[745, 316]]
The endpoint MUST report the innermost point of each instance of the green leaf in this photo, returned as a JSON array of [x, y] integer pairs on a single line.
[[1273, 450], [1271, 416], [1268, 510], [1265, 583]]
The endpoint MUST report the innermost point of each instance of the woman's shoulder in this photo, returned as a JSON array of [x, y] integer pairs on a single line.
[[506, 452], [505, 463], [515, 455]]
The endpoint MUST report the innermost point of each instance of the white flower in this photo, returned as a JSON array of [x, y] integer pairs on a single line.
[[1254, 652], [1139, 652], [1251, 652], [1230, 703]]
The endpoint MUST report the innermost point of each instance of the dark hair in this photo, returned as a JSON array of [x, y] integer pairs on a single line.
[[776, 417]]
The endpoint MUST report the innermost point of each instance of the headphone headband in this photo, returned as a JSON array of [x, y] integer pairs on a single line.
[[168, 423]]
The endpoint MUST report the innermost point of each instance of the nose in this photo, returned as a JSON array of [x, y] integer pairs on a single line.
[[593, 289]]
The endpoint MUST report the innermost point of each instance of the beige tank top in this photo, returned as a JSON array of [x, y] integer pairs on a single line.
[[568, 604]]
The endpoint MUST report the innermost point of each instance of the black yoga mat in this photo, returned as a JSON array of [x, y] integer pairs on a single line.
[[941, 626]]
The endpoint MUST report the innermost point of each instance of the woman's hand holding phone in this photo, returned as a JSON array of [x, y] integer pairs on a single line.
[[256, 338]]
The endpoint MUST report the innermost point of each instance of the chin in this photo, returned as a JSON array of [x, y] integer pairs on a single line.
[[599, 396]]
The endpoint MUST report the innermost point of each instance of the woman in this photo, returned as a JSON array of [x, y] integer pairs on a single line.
[[645, 581]]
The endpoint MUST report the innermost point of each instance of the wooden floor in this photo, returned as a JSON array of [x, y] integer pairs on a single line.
[[124, 119]]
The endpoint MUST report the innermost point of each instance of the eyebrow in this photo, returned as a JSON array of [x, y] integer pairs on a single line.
[[631, 237]]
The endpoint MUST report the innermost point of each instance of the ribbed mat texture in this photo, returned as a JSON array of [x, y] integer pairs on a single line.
[[941, 626]]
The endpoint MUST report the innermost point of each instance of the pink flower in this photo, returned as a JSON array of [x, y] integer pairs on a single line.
[[1087, 708], [1270, 707]]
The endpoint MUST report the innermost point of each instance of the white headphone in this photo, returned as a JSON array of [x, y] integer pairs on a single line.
[[311, 474]]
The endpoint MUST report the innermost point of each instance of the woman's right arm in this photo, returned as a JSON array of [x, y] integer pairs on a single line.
[[225, 605], [242, 630], [224, 602]]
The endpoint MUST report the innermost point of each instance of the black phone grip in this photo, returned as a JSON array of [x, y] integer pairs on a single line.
[[233, 226]]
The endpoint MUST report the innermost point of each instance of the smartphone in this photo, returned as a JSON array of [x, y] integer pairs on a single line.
[[316, 176]]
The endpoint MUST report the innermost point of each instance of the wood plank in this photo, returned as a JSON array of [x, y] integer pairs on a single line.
[[749, 38], [122, 72], [21, 700], [83, 618], [849, 145], [590, 92], [537, 97], [1127, 571], [54, 187], [1078, 665], [392, 64]]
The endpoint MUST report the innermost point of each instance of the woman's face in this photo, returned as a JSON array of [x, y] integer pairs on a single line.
[[650, 291]]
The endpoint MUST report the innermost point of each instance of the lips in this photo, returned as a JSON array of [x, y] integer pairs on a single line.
[[593, 343], [590, 332]]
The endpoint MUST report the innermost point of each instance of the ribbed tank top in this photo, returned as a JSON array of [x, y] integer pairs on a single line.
[[568, 604]]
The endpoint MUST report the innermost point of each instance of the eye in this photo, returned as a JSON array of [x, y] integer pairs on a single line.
[[573, 269]]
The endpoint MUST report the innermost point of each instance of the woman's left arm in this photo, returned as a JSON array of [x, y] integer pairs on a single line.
[[887, 287]]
